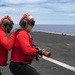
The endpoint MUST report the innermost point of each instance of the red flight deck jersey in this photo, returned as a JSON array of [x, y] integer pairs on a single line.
[[23, 50], [5, 45]]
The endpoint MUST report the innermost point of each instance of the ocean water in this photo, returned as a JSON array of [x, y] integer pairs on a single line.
[[62, 29]]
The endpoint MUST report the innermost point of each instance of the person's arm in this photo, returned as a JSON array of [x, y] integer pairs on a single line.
[[6, 42], [25, 45]]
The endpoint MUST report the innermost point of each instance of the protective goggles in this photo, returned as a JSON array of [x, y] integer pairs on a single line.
[[31, 23], [10, 24]]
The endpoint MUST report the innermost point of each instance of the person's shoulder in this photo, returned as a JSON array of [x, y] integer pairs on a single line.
[[2, 34], [22, 33]]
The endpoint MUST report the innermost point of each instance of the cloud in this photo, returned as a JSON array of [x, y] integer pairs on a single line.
[[73, 15], [42, 10], [23, 1]]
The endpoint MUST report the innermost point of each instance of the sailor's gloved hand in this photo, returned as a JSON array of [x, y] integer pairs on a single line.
[[39, 51], [38, 55]]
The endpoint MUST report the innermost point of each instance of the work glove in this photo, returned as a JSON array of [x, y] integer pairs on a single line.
[[38, 55]]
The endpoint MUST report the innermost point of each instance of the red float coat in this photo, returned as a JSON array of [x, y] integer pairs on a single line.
[[23, 50], [5, 45]]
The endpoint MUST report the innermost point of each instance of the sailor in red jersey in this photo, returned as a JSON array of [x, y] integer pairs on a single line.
[[23, 51], [6, 25]]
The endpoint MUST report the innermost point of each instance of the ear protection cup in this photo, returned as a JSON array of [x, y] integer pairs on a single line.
[[6, 22], [23, 22]]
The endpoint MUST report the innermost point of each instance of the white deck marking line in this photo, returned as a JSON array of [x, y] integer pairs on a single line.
[[60, 63]]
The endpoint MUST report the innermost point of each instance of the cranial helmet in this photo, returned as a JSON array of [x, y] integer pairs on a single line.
[[27, 19], [6, 20]]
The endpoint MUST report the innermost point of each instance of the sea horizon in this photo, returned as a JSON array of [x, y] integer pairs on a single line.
[[53, 28], [59, 29]]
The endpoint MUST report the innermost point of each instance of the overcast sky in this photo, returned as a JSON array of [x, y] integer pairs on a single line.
[[44, 11]]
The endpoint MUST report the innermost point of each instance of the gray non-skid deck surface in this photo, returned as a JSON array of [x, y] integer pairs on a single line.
[[62, 48]]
